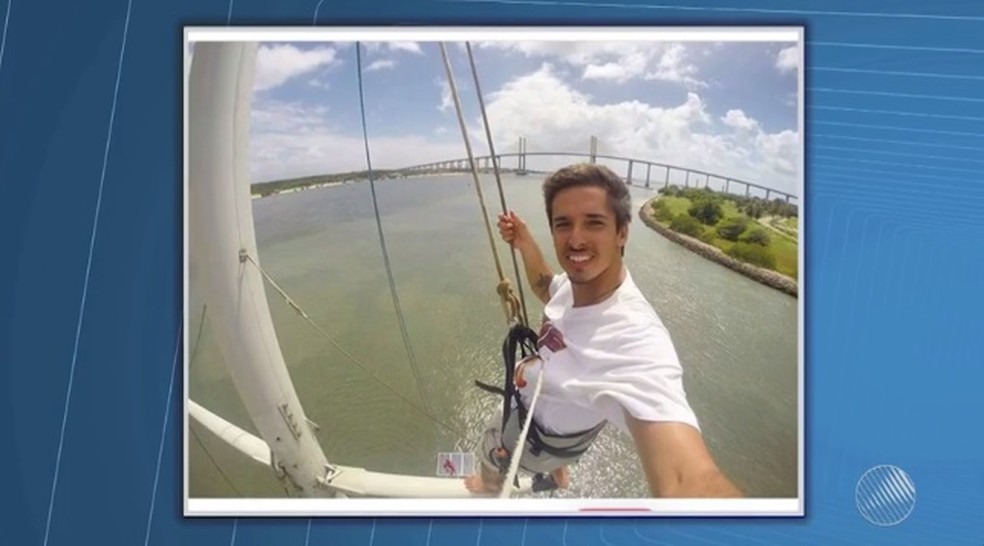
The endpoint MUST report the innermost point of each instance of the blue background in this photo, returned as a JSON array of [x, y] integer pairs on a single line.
[[91, 283]]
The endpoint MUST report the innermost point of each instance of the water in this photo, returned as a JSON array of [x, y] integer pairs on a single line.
[[736, 338]]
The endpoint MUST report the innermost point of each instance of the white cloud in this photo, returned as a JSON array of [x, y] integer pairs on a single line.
[[554, 117], [615, 61], [738, 120], [393, 47], [290, 140], [273, 116], [447, 100], [628, 67], [788, 59], [411, 47], [276, 64], [380, 64], [320, 83], [672, 67]]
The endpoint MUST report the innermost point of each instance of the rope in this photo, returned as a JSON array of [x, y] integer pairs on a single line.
[[507, 485], [382, 238], [510, 304], [498, 179], [349, 355]]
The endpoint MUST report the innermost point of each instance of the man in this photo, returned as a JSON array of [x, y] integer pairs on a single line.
[[604, 353]]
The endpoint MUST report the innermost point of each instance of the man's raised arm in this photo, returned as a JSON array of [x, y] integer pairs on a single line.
[[514, 231]]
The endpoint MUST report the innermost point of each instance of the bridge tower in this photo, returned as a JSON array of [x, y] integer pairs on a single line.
[[521, 158]]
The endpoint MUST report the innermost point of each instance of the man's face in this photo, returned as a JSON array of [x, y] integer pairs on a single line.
[[585, 236]]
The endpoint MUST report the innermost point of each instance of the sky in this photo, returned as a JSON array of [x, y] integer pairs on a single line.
[[725, 108]]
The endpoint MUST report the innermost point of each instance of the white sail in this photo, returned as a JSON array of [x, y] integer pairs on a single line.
[[221, 218]]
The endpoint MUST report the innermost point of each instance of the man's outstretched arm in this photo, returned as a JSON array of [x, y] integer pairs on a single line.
[[676, 462]]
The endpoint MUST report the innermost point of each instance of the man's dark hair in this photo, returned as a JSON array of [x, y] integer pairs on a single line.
[[589, 174]]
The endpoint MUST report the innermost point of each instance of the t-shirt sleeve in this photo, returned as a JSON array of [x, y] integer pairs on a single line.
[[555, 283], [642, 376]]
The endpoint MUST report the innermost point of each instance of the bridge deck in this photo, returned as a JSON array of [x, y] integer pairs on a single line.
[[463, 164]]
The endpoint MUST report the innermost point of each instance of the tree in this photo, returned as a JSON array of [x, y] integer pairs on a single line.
[[732, 228], [754, 209], [661, 212], [753, 254], [757, 236], [707, 211], [687, 225]]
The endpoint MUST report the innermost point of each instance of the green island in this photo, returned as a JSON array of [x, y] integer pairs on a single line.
[[263, 189], [753, 236], [274, 187]]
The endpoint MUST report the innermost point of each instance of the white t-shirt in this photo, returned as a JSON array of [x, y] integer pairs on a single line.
[[602, 359]]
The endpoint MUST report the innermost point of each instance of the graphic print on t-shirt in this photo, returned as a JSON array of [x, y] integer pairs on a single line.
[[550, 339]]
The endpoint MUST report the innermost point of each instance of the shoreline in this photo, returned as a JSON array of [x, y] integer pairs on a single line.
[[767, 277]]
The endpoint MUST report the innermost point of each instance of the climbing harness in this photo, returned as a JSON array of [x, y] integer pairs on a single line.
[[534, 442]]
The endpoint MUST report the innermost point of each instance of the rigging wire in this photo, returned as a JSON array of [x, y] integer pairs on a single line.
[[510, 303], [498, 179], [191, 428], [382, 238], [520, 305], [198, 336], [297, 308], [211, 458]]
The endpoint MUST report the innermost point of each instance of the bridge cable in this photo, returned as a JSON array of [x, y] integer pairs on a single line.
[[510, 303], [382, 238], [498, 179]]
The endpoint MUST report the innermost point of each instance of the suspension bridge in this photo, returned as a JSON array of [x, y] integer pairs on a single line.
[[641, 172]]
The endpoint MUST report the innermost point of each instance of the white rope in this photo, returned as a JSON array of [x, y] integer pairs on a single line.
[[507, 486]]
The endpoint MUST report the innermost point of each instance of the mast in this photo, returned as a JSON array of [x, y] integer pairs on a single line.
[[221, 221]]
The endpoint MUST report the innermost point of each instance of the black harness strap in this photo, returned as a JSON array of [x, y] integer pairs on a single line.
[[522, 337]]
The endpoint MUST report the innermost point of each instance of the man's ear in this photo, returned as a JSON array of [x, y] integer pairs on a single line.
[[623, 235]]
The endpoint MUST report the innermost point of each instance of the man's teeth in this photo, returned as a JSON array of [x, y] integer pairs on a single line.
[[579, 258]]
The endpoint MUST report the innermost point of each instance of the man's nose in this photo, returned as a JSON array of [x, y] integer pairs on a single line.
[[576, 239]]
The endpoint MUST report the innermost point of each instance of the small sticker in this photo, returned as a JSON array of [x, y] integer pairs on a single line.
[[455, 464]]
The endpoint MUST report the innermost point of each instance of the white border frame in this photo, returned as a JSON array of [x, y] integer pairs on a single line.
[[791, 507]]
